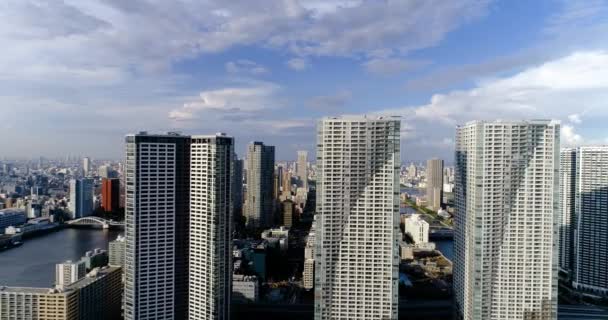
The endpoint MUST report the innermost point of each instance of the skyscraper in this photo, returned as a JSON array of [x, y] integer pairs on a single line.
[[157, 226], [434, 183], [507, 200], [286, 188], [303, 168], [567, 194], [211, 176], [110, 194], [238, 188], [86, 165], [81, 198], [356, 253], [591, 241], [259, 205]]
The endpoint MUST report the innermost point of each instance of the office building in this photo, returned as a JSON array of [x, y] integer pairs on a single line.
[[277, 238], [238, 188], [86, 165], [289, 210], [116, 253], [96, 296], [303, 169], [417, 228], [95, 258], [211, 182], [434, 183], [259, 205], [11, 217], [245, 289], [286, 187], [308, 275], [567, 195], [506, 239], [69, 272], [591, 241], [81, 198], [356, 253], [157, 179], [110, 194]]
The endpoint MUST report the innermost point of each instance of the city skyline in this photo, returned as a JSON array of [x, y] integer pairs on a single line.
[[86, 75], [304, 159]]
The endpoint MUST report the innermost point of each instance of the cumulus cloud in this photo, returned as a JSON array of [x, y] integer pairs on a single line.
[[229, 101], [553, 90], [108, 33], [246, 67], [569, 138], [298, 64]]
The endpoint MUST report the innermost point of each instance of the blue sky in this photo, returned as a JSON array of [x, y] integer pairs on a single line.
[[77, 75]]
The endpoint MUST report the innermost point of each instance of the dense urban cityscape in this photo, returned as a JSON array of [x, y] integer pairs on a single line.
[[192, 231], [303, 159]]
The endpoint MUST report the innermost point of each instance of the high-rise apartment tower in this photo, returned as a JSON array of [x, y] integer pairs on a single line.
[[357, 220], [506, 235]]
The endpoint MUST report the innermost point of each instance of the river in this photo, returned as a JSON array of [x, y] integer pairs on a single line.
[[33, 263]]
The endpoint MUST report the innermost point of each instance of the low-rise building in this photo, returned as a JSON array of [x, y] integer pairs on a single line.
[[245, 289], [11, 217], [277, 238], [97, 296], [417, 228]]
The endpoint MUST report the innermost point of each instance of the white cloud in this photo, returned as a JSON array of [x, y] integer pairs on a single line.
[[553, 90], [231, 101], [94, 34], [245, 66], [575, 118], [298, 64], [569, 138], [387, 66]]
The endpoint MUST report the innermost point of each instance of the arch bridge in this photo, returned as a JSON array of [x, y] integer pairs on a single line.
[[96, 221]]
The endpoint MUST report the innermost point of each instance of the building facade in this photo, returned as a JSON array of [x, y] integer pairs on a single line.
[[81, 198], [157, 226], [567, 195], [238, 188], [591, 235], [506, 235], [96, 296], [245, 289], [211, 221], [116, 252], [69, 272], [259, 204], [434, 183], [110, 194], [417, 228], [11, 217], [303, 168], [357, 226]]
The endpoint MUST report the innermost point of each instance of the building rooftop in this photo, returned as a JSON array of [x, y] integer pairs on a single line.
[[29, 290], [91, 277], [362, 118]]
